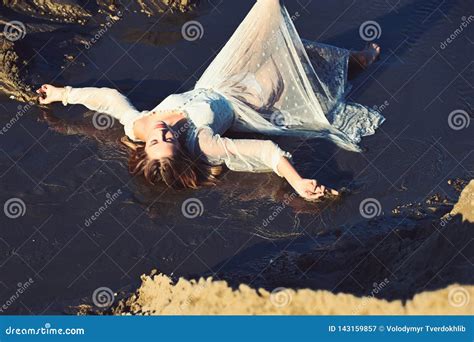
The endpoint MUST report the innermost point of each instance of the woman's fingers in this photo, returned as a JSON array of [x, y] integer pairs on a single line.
[[330, 191], [44, 92], [313, 195], [311, 189]]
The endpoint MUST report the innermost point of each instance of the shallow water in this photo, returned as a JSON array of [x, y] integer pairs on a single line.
[[63, 179]]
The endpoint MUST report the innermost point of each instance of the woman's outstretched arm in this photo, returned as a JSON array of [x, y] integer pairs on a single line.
[[104, 100], [257, 156]]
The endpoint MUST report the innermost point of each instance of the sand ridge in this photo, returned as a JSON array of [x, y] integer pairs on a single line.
[[158, 295]]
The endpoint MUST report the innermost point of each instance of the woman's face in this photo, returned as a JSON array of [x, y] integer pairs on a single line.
[[160, 142]]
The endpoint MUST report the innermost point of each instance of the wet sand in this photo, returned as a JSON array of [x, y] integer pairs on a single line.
[[64, 170], [159, 295]]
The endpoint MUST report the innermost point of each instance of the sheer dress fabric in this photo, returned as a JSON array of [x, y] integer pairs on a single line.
[[266, 80]]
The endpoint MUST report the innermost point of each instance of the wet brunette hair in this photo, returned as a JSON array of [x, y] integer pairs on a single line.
[[179, 171]]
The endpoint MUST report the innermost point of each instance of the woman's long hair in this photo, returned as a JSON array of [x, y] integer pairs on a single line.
[[178, 171]]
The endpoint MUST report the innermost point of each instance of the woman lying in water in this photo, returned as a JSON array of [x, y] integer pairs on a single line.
[[265, 80]]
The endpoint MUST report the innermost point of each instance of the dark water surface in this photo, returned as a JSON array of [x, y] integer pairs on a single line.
[[64, 178]]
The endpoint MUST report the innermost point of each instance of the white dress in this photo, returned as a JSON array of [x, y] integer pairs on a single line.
[[265, 80]]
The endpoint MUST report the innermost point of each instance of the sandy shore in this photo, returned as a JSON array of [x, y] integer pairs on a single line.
[[158, 294]]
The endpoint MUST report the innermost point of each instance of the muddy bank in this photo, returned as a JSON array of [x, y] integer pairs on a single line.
[[41, 39], [159, 294]]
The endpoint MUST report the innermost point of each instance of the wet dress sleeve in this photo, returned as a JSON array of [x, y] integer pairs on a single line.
[[104, 100], [250, 155]]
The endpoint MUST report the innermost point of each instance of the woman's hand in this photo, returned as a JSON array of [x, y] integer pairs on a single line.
[[311, 189], [49, 94], [307, 188]]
